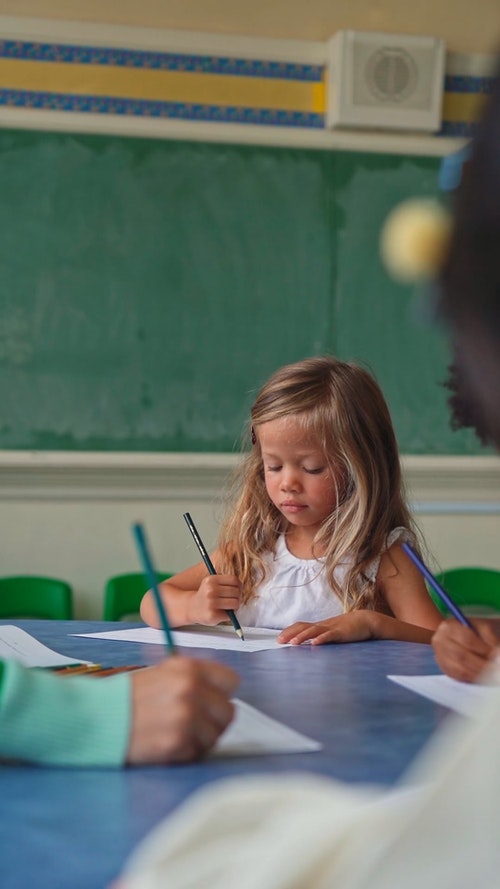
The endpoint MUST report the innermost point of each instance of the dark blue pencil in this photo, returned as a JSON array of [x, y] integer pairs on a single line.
[[436, 586], [151, 574], [208, 562]]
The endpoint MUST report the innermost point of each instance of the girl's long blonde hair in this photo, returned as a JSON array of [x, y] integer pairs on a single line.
[[341, 404]]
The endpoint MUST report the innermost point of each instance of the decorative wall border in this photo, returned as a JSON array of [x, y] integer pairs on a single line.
[[159, 61], [86, 76], [118, 80]]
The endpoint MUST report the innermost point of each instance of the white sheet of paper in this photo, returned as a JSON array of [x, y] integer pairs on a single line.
[[256, 638], [17, 645], [463, 697], [252, 733]]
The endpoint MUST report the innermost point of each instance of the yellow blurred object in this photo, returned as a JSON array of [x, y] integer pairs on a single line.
[[414, 239]]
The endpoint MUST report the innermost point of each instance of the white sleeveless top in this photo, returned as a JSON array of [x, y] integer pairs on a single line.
[[297, 589]]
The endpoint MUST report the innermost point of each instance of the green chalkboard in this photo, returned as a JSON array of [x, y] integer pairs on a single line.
[[148, 288]]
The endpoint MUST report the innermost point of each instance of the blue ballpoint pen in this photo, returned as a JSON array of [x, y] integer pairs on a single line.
[[436, 586]]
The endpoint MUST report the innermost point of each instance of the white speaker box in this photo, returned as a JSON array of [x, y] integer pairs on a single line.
[[384, 81]]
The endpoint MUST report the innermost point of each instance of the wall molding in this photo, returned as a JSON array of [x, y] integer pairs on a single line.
[[453, 484], [80, 476], [239, 134], [443, 484]]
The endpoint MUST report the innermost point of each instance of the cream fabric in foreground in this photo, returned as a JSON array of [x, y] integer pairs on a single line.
[[439, 828]]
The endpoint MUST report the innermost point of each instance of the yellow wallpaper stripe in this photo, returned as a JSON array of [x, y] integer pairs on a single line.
[[464, 107], [172, 86]]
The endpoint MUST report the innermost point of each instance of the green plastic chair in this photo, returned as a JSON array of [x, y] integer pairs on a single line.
[[37, 597], [473, 589], [123, 594]]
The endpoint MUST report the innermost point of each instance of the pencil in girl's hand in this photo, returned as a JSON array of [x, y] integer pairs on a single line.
[[436, 586], [208, 562], [151, 574]]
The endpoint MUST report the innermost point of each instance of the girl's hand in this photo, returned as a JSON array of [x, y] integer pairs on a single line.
[[460, 652], [355, 626], [216, 594]]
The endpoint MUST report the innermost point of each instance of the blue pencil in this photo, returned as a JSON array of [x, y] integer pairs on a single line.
[[436, 586], [150, 572], [208, 562]]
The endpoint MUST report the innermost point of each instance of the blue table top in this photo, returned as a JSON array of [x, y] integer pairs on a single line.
[[73, 829]]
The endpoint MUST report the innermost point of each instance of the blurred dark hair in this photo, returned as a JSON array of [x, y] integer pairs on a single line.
[[468, 292], [464, 410], [469, 282]]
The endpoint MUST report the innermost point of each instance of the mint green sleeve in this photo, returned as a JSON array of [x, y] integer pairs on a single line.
[[67, 721]]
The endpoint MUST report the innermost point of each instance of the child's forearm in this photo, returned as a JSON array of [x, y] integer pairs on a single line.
[[386, 627], [177, 603]]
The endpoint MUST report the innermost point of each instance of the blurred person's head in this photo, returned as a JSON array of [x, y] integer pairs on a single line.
[[469, 282]]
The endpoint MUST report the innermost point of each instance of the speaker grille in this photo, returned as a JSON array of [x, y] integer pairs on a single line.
[[385, 81], [391, 75]]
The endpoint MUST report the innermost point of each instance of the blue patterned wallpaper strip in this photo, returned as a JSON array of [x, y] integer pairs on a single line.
[[183, 111], [148, 108], [466, 83], [458, 128], [127, 58]]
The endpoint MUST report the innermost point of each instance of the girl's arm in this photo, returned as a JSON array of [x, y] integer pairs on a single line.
[[402, 588], [194, 597]]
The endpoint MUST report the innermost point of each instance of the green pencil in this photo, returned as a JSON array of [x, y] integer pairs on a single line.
[[149, 570]]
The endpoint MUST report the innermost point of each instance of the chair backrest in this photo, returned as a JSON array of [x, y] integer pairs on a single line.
[[123, 594], [474, 589], [38, 597]]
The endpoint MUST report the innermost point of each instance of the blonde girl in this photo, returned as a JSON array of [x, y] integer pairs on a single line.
[[311, 542]]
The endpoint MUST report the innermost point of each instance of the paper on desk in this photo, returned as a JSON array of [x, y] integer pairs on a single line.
[[463, 697], [256, 638], [252, 733], [17, 645]]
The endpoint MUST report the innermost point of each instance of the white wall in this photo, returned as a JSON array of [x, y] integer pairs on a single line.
[[69, 515], [465, 26]]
